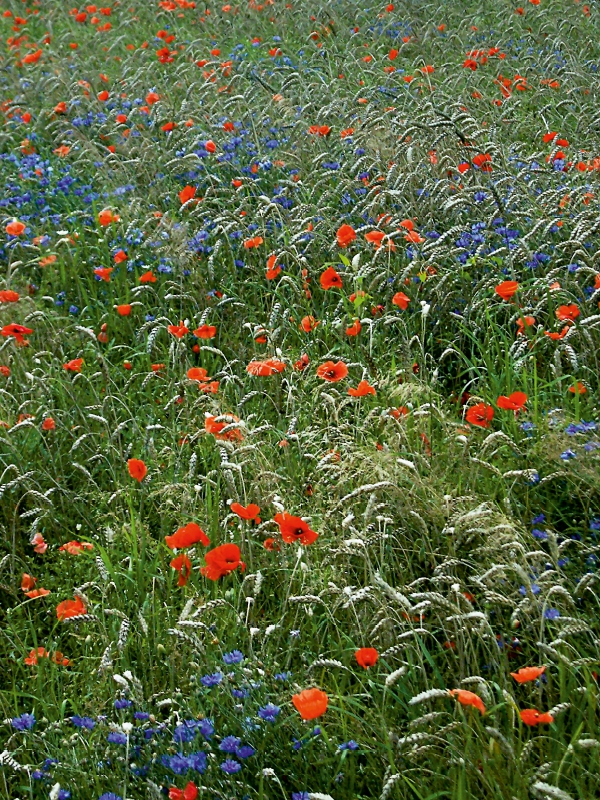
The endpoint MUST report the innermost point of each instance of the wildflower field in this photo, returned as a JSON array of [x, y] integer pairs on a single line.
[[299, 422]]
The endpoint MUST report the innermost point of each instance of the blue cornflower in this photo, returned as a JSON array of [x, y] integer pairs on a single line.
[[211, 680], [552, 613], [539, 534], [23, 723], [269, 712], [64, 794], [535, 589], [351, 745], [230, 767], [110, 796], [206, 728], [84, 722], [245, 751], [178, 764], [198, 761], [595, 524], [230, 744], [567, 455], [142, 715], [233, 658], [284, 676], [122, 702], [538, 519], [185, 732], [116, 738], [300, 796]]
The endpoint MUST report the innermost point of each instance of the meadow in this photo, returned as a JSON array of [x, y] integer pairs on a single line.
[[299, 357]]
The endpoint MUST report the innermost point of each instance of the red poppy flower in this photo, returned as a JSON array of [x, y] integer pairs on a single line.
[[401, 300], [514, 402], [345, 235], [106, 216], [532, 717], [187, 193], [273, 268], [48, 424], [354, 329], [28, 582], [331, 278], [103, 273], [205, 332], [74, 365], [310, 703], [262, 369], [39, 544], [34, 593], [466, 698], [308, 324], [197, 374], [526, 674], [249, 512], [221, 561], [294, 529], [137, 469], [578, 388], [270, 544], [332, 372], [15, 228], [187, 536], [34, 655], [570, 312], [189, 792], [75, 548], [414, 237], [178, 331], [480, 414], [507, 289], [483, 161], [366, 657], [8, 296], [555, 336], [183, 565], [148, 277], [523, 322], [120, 256], [302, 363], [254, 241], [70, 608], [362, 390], [17, 331], [124, 310], [211, 426]]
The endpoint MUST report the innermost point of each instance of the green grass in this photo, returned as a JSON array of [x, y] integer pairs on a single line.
[[427, 550]]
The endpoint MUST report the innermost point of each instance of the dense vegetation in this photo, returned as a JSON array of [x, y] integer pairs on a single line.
[[298, 391]]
